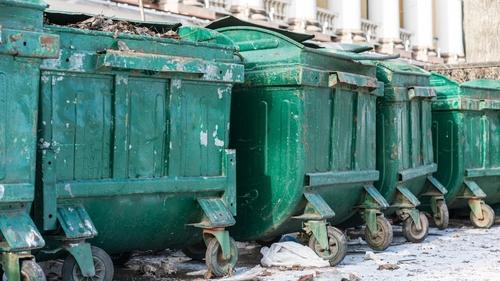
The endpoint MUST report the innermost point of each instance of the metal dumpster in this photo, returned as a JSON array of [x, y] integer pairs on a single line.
[[404, 149], [303, 124], [133, 136], [466, 130], [23, 45]]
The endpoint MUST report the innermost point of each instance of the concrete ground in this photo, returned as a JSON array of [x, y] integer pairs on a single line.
[[458, 253]]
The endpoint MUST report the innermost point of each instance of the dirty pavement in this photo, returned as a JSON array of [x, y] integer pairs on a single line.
[[458, 253]]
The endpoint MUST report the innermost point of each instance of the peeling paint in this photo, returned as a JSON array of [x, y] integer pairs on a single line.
[[121, 80], [204, 138], [76, 62], [220, 93], [2, 191], [218, 142], [177, 83], [67, 188], [228, 75]]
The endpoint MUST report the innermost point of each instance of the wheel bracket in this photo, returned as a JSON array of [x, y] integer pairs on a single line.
[[415, 216], [82, 252], [475, 206], [222, 237], [370, 216], [320, 232]]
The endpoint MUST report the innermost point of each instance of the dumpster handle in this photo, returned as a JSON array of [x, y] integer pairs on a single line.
[[423, 92]]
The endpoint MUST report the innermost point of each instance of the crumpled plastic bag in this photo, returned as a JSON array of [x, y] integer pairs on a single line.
[[290, 254]]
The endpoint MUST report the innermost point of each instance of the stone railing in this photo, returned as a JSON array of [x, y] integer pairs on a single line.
[[369, 28], [217, 4], [276, 9], [405, 36], [326, 19]]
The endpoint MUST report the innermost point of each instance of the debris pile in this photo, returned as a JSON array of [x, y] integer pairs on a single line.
[[101, 23]]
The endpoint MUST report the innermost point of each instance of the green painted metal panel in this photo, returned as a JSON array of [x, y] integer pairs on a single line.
[[466, 122], [23, 44], [137, 140], [303, 124], [404, 132]]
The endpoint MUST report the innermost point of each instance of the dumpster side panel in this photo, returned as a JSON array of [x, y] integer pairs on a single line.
[[267, 134], [348, 144], [102, 132]]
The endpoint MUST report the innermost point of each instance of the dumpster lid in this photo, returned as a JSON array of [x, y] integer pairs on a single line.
[[403, 68], [486, 84], [444, 85], [231, 21]]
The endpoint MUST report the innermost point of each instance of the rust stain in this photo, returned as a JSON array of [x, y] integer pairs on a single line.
[[15, 37], [47, 40]]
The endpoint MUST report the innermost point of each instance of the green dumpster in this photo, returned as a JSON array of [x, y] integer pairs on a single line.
[[303, 124], [404, 149], [133, 134], [466, 129], [23, 45]]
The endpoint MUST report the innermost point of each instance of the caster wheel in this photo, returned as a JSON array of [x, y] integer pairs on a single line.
[[410, 231], [488, 217], [338, 246], [382, 239], [196, 252], [104, 269], [216, 263], [30, 271], [442, 216]]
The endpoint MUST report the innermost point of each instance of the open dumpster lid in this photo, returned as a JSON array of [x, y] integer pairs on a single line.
[[230, 21]]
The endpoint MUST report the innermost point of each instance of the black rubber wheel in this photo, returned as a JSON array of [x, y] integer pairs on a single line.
[[442, 216], [30, 271], [383, 238], [196, 252], [488, 217], [104, 269], [338, 246], [216, 264], [410, 231]]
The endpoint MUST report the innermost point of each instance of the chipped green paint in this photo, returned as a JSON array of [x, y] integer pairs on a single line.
[[466, 130], [23, 44], [404, 138], [136, 138], [303, 124]]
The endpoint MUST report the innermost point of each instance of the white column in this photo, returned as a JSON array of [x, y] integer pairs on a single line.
[[385, 13], [349, 14], [418, 20], [449, 27], [254, 4], [302, 10]]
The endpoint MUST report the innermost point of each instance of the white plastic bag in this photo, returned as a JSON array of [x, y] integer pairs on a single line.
[[290, 254]]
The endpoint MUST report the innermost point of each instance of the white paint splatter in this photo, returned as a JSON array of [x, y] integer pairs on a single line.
[[67, 188], [204, 138], [228, 75], [76, 62], [220, 93], [218, 142], [177, 83], [121, 80]]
